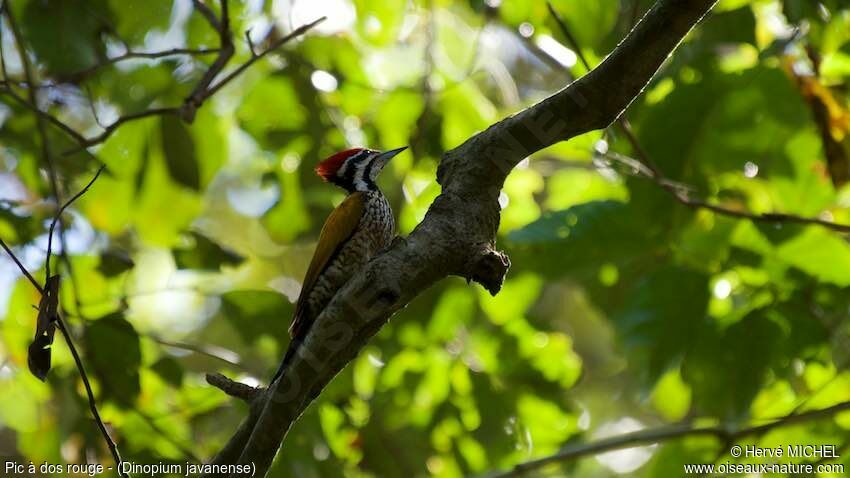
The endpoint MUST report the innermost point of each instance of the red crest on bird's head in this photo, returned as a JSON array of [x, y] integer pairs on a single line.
[[329, 167]]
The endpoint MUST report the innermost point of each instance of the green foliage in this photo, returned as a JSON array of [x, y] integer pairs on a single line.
[[64, 35], [622, 306], [179, 150], [115, 356]]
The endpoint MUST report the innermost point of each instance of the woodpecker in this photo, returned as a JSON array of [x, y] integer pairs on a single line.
[[360, 227]]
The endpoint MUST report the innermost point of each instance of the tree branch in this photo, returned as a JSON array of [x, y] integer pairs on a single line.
[[460, 224], [111, 127], [153, 55], [653, 172], [200, 94], [727, 434], [51, 287], [7, 90], [205, 88], [225, 52], [23, 269], [113, 449], [197, 99], [58, 217], [233, 388], [53, 291]]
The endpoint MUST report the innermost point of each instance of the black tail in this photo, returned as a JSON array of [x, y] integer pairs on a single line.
[[290, 353]]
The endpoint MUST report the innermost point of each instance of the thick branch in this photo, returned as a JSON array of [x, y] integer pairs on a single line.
[[727, 434], [460, 224], [590, 103]]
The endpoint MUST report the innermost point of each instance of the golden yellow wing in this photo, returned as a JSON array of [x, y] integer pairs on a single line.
[[338, 228]]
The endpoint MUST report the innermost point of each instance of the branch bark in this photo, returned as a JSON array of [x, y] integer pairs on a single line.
[[727, 434], [457, 235]]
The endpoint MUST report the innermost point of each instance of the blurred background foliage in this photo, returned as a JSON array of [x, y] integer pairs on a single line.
[[623, 309]]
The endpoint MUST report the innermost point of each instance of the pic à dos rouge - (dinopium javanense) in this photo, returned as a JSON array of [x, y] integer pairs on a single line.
[[360, 227]]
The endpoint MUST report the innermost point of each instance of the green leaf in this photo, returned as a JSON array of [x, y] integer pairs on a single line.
[[65, 34], [726, 368], [548, 424], [179, 149], [25, 228], [577, 240], [270, 108], [134, 19], [671, 396], [169, 370], [663, 317], [255, 313], [715, 128], [733, 26], [516, 296], [114, 355], [819, 253], [389, 14], [590, 22], [204, 254], [114, 262], [455, 309]]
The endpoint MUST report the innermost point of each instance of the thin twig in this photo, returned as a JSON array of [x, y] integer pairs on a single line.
[[250, 42], [672, 432], [21, 267], [33, 97], [92, 106], [46, 153], [202, 91], [244, 66], [82, 74], [110, 129], [113, 449], [7, 90], [207, 13], [213, 352], [54, 186], [679, 192], [2, 55], [225, 52], [657, 175], [42, 131], [59, 215]]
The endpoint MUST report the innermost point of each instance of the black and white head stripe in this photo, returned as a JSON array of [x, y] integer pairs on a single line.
[[356, 169], [356, 173]]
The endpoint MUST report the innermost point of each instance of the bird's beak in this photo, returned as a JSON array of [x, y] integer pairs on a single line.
[[386, 156]]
